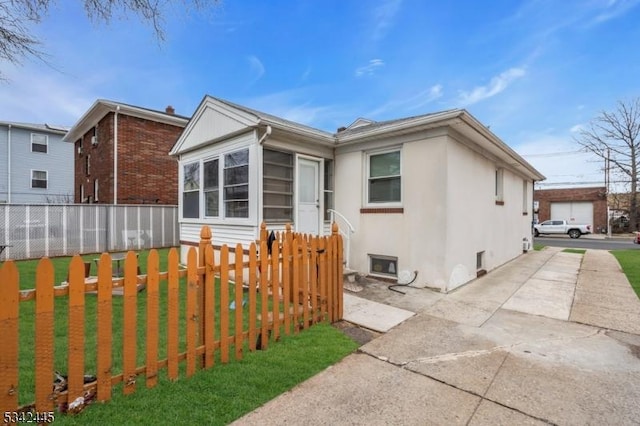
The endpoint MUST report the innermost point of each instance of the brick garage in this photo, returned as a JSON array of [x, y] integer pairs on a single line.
[[145, 172], [596, 195]]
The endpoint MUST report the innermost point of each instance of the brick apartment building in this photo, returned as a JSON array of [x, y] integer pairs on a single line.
[[121, 154], [579, 205]]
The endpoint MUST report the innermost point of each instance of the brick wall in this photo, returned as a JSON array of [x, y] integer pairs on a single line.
[[597, 195], [146, 173]]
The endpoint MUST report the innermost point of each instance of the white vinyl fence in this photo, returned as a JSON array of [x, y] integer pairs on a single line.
[[33, 231]]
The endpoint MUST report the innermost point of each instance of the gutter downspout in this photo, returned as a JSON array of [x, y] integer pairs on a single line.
[[115, 156], [9, 164], [266, 135], [259, 205]]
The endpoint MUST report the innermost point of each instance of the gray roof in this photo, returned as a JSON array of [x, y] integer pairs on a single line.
[[50, 128], [272, 118], [378, 124]]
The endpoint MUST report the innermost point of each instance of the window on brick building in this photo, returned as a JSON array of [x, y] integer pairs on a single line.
[[95, 190], [87, 165], [191, 190]]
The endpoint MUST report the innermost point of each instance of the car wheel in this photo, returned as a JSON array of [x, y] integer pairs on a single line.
[[536, 233], [574, 233]]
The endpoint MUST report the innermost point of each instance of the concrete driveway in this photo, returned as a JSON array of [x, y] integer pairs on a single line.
[[550, 338]]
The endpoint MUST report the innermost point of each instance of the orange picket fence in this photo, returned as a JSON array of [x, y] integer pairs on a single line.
[[181, 320]]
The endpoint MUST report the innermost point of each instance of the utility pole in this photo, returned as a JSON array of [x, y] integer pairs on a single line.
[[607, 182]]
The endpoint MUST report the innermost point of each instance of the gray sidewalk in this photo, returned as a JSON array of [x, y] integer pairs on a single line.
[[550, 338]]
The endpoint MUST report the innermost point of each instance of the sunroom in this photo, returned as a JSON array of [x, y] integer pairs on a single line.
[[239, 167]]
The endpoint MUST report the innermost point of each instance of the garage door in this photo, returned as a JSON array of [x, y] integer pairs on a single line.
[[573, 212]]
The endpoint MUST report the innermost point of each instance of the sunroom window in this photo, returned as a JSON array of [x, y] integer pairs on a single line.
[[236, 184], [277, 186], [191, 190], [211, 188]]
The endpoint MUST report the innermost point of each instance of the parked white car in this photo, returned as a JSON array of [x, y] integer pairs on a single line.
[[574, 230]]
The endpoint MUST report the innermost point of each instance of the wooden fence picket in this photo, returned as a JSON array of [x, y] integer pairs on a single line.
[[295, 273], [130, 324], [75, 326], [264, 296], [286, 286], [191, 312], [105, 331], [209, 307], [153, 311], [44, 336], [224, 304], [253, 267], [172, 315], [9, 313], [239, 301], [275, 289]]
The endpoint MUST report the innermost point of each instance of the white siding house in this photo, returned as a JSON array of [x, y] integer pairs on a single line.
[[436, 195], [34, 164]]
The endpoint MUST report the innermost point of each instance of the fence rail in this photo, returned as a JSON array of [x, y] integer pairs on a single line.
[[33, 231], [183, 316]]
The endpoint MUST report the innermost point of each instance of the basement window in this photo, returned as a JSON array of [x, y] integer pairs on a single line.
[[385, 266]]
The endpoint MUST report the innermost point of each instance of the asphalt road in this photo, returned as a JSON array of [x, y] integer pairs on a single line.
[[586, 242]]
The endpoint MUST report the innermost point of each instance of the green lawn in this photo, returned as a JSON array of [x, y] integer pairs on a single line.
[[630, 262], [227, 391]]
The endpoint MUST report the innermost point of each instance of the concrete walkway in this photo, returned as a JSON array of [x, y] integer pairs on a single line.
[[550, 338]]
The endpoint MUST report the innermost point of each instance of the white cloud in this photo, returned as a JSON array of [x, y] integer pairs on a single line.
[[613, 9], [36, 97], [296, 105], [495, 86], [370, 68], [423, 98], [383, 16], [256, 66], [576, 128]]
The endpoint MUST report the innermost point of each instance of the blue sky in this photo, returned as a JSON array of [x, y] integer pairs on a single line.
[[533, 71]]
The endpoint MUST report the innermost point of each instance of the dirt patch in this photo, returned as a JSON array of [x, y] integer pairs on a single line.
[[356, 333]]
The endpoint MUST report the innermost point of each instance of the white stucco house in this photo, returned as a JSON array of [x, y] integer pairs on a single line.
[[437, 195]]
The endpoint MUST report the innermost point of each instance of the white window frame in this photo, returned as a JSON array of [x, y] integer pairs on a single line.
[[204, 191], [95, 190], [224, 185], [198, 189], [46, 180], [46, 143], [368, 156]]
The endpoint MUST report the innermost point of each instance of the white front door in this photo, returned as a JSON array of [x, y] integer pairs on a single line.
[[308, 189]]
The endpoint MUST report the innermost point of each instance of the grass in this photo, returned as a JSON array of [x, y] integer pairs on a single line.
[[223, 393], [630, 262], [538, 247], [226, 392]]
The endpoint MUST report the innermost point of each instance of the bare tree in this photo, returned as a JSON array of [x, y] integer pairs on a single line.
[[615, 137], [17, 18]]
